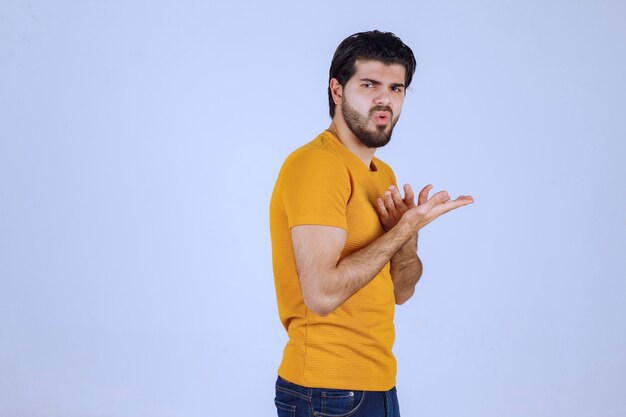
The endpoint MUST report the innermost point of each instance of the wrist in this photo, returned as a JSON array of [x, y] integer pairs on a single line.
[[406, 230]]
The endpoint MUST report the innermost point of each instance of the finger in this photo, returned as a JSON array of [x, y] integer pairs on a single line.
[[423, 197], [396, 197], [409, 197], [380, 206], [449, 206], [438, 198], [460, 201], [389, 201]]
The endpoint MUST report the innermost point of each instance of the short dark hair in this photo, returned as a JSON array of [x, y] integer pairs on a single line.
[[373, 45]]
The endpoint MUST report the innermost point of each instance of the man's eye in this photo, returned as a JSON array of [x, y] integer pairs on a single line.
[[368, 85]]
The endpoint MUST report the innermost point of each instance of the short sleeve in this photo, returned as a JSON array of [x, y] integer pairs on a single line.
[[315, 189]]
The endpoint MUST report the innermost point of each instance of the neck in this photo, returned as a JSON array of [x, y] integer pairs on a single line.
[[339, 128]]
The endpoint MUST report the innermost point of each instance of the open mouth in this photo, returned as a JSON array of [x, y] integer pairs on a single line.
[[381, 117]]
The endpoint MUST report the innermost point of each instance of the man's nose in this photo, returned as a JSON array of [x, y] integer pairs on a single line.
[[382, 99]]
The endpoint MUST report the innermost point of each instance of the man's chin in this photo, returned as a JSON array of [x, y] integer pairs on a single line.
[[378, 145], [377, 141]]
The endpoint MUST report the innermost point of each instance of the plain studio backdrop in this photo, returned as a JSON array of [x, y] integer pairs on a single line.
[[139, 145]]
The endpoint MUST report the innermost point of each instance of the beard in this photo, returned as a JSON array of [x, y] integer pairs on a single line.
[[372, 138]]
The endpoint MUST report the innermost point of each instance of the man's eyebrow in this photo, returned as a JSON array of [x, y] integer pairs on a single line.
[[369, 80], [376, 82]]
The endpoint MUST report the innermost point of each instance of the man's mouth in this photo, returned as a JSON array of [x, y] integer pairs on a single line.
[[381, 117]]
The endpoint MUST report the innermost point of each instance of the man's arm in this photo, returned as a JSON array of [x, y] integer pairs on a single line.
[[406, 266], [327, 281], [406, 271]]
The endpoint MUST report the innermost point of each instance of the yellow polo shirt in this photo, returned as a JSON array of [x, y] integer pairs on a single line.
[[323, 183]]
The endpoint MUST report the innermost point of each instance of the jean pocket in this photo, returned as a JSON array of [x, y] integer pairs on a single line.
[[340, 403], [285, 410]]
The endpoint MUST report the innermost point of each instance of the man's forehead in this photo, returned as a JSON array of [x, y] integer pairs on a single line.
[[370, 68]]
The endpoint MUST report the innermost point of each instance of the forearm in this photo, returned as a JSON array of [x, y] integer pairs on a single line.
[[406, 270], [327, 280], [357, 269]]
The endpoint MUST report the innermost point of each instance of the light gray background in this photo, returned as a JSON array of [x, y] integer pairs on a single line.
[[139, 144]]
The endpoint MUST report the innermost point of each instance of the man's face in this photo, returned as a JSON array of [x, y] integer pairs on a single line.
[[372, 100]]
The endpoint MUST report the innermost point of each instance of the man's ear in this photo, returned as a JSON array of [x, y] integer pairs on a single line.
[[336, 90]]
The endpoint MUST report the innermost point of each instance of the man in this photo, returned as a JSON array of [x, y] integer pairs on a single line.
[[344, 241]]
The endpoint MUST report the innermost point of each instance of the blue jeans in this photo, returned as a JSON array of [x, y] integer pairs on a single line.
[[297, 401]]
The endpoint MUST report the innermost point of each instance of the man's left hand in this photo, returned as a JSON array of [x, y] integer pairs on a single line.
[[392, 206]]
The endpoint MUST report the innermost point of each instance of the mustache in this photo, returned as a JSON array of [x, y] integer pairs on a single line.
[[381, 108]]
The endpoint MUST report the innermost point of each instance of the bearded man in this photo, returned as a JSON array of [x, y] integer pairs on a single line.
[[344, 241]]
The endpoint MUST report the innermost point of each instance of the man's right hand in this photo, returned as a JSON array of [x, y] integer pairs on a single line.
[[440, 203]]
